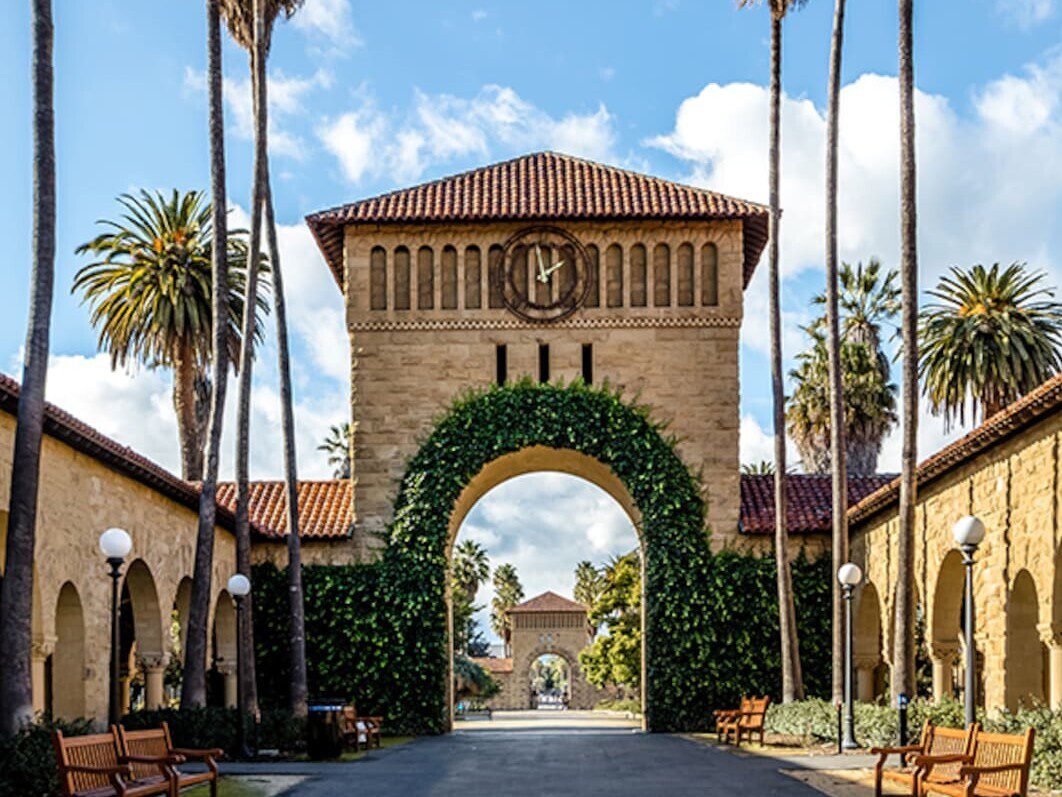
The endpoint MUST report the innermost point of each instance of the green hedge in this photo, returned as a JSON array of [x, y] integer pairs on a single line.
[[27, 759], [376, 633], [212, 726]]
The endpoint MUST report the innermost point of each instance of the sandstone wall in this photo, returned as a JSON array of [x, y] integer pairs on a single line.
[[1016, 490], [80, 498]]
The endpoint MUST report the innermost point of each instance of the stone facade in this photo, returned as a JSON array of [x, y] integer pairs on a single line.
[[80, 497], [1014, 486], [535, 634], [408, 365]]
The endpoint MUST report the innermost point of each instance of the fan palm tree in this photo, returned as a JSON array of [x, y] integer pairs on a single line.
[[792, 680], [838, 469], [150, 291], [508, 591], [251, 25], [868, 298], [224, 314], [337, 446], [869, 411], [16, 588], [904, 620], [992, 335], [471, 568]]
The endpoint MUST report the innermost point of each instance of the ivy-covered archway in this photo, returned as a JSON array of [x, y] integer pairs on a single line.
[[484, 426]]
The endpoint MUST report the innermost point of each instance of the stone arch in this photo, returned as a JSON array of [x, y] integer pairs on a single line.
[[575, 673], [1024, 668], [224, 637], [142, 636], [944, 633], [593, 434], [867, 644], [68, 660]]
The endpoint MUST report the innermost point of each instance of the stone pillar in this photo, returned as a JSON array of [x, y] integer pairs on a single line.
[[154, 669], [943, 654], [39, 652], [865, 666], [228, 670], [1053, 640]]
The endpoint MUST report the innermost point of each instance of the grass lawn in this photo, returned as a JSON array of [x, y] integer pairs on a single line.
[[245, 786]]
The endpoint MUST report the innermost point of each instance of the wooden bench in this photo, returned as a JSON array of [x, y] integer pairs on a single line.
[[96, 766], [358, 731], [156, 744], [949, 746], [745, 721], [998, 766]]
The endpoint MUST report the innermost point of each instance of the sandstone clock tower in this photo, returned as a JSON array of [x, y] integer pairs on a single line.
[[548, 267]]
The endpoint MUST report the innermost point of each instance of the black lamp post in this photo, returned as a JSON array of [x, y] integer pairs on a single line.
[[239, 587], [968, 533], [115, 544], [849, 575]]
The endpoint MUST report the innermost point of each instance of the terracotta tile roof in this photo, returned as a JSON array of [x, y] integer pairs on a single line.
[[492, 665], [548, 602], [1030, 408], [325, 507], [541, 186], [809, 498], [77, 434]]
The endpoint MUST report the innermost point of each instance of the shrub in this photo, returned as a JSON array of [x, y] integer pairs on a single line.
[[27, 759]]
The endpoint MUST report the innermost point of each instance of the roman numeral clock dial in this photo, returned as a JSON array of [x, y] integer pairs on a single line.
[[544, 274]]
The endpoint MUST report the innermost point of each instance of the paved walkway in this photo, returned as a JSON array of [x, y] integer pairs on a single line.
[[581, 761]]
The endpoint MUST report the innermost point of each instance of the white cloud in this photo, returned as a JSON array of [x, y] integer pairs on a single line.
[[439, 128], [988, 183], [1027, 13], [478, 15], [330, 19], [286, 100]]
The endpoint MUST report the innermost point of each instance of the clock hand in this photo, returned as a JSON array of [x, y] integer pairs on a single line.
[[541, 266]]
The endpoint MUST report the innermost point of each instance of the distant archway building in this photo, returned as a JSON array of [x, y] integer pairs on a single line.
[[547, 623]]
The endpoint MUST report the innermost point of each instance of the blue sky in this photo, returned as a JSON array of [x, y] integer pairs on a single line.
[[372, 96]]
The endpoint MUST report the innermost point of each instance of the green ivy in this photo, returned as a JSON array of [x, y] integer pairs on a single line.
[[376, 632]]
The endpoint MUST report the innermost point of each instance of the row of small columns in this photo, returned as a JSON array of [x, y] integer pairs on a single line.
[[945, 655]]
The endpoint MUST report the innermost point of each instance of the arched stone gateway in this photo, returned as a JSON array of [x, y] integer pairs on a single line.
[[503, 432]]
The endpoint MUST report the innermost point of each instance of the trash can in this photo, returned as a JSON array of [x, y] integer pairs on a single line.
[[324, 731]]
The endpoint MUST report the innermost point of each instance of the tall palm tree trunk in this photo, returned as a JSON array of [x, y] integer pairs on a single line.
[[903, 645], [193, 687], [296, 610], [16, 593], [792, 681], [838, 443], [243, 442], [185, 376]]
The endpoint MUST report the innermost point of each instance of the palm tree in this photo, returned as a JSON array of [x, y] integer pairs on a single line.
[[508, 591], [16, 587], [251, 24], [904, 620], [471, 567], [151, 296], [838, 470], [869, 297], [792, 680], [868, 412], [337, 446], [225, 309], [993, 335]]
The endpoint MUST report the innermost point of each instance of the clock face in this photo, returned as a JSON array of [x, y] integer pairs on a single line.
[[544, 273]]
